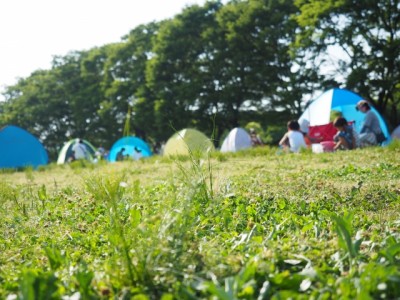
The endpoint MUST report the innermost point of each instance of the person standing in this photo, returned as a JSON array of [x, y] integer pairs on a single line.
[[79, 149]]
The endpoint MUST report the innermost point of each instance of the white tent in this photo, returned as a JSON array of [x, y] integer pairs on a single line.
[[237, 139]]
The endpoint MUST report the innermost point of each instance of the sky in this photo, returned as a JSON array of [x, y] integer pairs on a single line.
[[33, 31]]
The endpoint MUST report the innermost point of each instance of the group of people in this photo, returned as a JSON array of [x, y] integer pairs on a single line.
[[121, 155], [346, 137]]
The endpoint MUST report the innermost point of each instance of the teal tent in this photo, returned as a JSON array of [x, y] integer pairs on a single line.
[[19, 148], [129, 143]]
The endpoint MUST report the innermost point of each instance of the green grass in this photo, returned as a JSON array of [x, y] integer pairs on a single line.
[[257, 224]]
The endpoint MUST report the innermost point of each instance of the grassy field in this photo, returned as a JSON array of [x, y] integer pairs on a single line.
[[259, 224]]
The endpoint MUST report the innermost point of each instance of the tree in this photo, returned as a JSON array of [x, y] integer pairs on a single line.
[[35, 104], [223, 60], [174, 73], [60, 103], [125, 81], [368, 35], [250, 59], [79, 76]]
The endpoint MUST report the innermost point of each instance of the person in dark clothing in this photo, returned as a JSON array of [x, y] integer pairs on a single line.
[[120, 155]]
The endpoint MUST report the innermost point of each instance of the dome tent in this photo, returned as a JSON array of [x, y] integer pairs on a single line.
[[396, 133], [129, 143], [318, 113], [66, 151], [19, 148], [237, 139], [186, 141]]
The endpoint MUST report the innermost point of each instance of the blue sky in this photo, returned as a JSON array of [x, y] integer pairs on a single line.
[[33, 31]]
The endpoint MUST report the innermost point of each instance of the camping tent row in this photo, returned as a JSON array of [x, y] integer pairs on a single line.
[[19, 148], [128, 143], [181, 143], [187, 141]]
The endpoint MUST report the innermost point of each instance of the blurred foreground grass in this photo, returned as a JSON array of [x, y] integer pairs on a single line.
[[257, 224]]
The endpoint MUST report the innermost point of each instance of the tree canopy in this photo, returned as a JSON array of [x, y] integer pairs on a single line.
[[214, 67], [367, 33]]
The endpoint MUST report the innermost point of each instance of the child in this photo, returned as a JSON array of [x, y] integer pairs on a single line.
[[120, 155], [294, 138], [255, 139], [346, 137]]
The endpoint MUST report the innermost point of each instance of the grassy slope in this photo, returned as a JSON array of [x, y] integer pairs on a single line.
[[271, 225]]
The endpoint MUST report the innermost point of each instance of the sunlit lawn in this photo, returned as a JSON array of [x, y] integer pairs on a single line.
[[257, 224]]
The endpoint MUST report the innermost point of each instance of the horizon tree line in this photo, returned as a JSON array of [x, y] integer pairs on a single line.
[[214, 67]]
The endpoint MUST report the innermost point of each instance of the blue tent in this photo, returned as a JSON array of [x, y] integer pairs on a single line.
[[19, 148], [129, 143], [341, 100]]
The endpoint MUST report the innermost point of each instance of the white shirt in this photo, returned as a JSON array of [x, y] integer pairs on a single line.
[[296, 141], [79, 150], [136, 155]]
